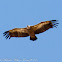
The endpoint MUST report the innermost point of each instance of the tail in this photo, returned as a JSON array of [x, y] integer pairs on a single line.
[[33, 39], [6, 34], [54, 23]]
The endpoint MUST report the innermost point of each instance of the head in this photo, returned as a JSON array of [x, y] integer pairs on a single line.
[[28, 26]]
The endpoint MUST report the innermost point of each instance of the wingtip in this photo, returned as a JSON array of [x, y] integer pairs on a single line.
[[6, 34], [54, 23], [54, 20]]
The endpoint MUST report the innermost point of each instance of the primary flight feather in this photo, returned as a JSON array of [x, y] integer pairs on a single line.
[[30, 30]]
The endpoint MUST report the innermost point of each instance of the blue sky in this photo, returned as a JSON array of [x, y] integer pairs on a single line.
[[19, 14]]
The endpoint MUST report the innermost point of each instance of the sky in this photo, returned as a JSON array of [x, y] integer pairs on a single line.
[[19, 14]]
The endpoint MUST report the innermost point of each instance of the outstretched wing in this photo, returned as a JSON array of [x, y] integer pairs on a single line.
[[43, 26], [16, 32]]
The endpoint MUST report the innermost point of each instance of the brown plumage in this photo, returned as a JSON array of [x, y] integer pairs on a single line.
[[30, 30]]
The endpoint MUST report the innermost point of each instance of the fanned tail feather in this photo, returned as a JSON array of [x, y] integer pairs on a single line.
[[33, 39]]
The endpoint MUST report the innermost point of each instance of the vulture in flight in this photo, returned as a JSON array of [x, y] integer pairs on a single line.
[[31, 30]]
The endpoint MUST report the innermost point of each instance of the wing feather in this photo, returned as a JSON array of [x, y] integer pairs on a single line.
[[16, 32], [43, 26]]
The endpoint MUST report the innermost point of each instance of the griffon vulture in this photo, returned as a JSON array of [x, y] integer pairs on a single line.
[[31, 30]]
